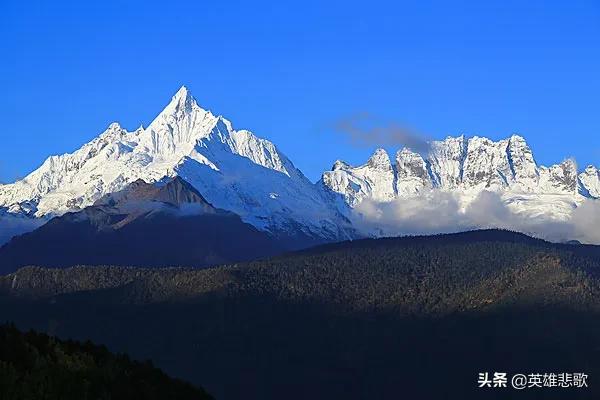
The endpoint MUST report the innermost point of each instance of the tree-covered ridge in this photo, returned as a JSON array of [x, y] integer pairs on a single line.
[[436, 274], [37, 366]]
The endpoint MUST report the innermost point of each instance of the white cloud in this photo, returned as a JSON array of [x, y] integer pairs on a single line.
[[586, 222], [443, 212]]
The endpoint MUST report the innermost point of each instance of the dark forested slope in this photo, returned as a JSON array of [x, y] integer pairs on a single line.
[[372, 319], [36, 366]]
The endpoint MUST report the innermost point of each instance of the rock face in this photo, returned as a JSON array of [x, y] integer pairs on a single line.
[[447, 159], [523, 166], [412, 173], [233, 169], [560, 179], [174, 193], [590, 182]]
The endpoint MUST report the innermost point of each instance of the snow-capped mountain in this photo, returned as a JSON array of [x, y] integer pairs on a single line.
[[468, 166], [233, 169]]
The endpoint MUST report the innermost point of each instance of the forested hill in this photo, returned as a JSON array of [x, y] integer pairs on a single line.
[[36, 366], [461, 238], [440, 273]]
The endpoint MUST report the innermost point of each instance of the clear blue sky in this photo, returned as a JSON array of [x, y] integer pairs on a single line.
[[288, 72]]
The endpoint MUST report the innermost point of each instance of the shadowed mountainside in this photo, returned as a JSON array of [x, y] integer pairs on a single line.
[[143, 225]]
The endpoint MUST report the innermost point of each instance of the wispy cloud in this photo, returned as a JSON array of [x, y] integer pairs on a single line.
[[363, 129]]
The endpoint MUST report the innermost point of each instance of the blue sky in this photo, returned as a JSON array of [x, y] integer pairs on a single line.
[[290, 71]]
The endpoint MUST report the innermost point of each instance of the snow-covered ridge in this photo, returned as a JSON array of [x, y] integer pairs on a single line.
[[233, 169], [466, 166]]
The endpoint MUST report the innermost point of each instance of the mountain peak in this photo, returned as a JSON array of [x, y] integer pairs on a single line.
[[405, 151], [114, 129], [570, 163], [183, 92], [175, 130], [183, 97], [339, 164], [234, 170], [380, 159], [182, 102]]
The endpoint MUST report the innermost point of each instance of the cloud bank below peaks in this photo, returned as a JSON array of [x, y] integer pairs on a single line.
[[443, 212]]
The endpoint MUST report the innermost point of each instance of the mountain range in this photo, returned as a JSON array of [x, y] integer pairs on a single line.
[[237, 171], [460, 164]]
